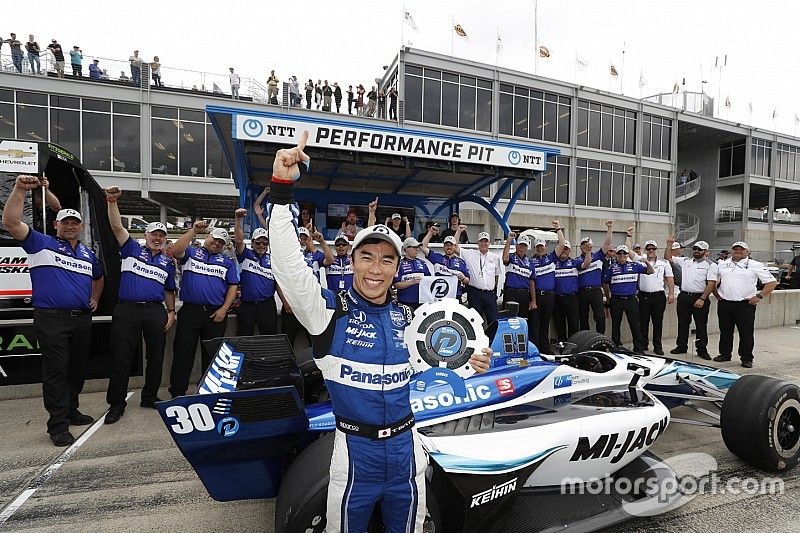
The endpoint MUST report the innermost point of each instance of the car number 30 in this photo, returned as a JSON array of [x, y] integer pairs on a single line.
[[196, 417]]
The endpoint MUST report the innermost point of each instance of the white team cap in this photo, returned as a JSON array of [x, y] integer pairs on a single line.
[[411, 242], [483, 235], [259, 233], [651, 243], [676, 245], [703, 245], [740, 244], [341, 237], [303, 231], [540, 242], [155, 226], [220, 234], [586, 240], [396, 216], [567, 245], [622, 248], [450, 239], [67, 213], [379, 231], [524, 240]]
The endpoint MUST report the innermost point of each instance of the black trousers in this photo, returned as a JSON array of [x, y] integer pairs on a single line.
[[393, 110], [292, 326], [64, 341], [651, 307], [592, 298], [565, 315], [539, 321], [522, 297], [194, 324], [629, 306], [264, 313], [742, 316], [77, 70], [484, 302], [130, 322], [686, 312]]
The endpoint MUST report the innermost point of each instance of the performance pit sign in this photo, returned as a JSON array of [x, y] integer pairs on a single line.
[[386, 141]]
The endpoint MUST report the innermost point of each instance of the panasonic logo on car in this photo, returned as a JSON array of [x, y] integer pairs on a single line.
[[446, 398], [497, 491], [347, 371]]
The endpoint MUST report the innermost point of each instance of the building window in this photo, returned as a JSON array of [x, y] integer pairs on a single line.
[[165, 146], [96, 135], [606, 127], [7, 129], [655, 190], [553, 185], [761, 152], [534, 114], [656, 137], [731, 158], [604, 184], [788, 161], [192, 143], [126, 140], [216, 162], [32, 122], [437, 97], [65, 129]]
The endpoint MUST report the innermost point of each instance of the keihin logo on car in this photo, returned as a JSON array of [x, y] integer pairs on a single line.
[[497, 491]]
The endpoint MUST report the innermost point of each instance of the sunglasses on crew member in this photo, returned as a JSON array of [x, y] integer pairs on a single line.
[[697, 249], [622, 253], [651, 248]]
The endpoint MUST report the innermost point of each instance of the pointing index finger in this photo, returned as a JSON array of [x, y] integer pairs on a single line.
[[303, 140]]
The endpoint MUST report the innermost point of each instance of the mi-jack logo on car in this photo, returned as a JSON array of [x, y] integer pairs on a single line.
[[606, 444]]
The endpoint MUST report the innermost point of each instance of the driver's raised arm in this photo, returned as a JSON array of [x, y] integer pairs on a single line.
[[298, 284]]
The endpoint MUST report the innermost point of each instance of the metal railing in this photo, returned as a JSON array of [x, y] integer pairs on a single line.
[[686, 190], [687, 101], [687, 228], [729, 214]]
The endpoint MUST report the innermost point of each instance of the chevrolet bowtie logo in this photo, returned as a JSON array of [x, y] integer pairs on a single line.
[[13, 152]]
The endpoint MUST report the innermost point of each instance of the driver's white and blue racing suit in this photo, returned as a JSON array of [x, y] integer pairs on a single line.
[[377, 455]]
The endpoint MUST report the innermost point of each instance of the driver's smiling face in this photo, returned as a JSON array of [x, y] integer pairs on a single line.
[[374, 267]]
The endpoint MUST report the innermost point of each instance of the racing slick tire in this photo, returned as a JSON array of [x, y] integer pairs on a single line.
[[591, 341], [760, 422], [302, 498]]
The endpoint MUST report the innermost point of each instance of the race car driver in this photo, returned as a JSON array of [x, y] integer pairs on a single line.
[[358, 344]]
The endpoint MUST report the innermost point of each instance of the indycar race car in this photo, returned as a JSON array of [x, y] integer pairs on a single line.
[[501, 444]]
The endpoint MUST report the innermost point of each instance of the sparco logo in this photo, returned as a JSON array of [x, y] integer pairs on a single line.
[[636, 439], [497, 491]]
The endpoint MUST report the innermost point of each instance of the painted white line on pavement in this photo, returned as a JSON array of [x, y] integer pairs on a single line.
[[42, 478]]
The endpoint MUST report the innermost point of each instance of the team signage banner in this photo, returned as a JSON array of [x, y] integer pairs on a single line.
[[18, 157], [385, 141], [435, 288]]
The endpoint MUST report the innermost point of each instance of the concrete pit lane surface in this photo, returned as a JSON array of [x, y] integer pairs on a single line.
[[129, 476]]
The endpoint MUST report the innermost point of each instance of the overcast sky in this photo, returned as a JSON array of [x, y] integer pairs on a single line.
[[349, 41]]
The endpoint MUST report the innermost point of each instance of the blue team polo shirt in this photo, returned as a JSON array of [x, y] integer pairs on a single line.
[[257, 281], [339, 275], [519, 272], [592, 276], [61, 277], [567, 275], [410, 269], [624, 278], [144, 276], [206, 276], [448, 266], [545, 271], [315, 261]]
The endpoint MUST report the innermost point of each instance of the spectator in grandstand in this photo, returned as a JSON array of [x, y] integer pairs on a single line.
[[455, 221], [381, 104], [360, 92], [318, 93], [327, 94], [58, 55], [692, 175], [234, 79], [435, 236], [372, 97], [155, 71], [94, 70], [392, 103], [294, 92], [123, 76], [76, 58], [33, 55], [684, 177], [16, 51], [309, 88], [305, 218], [337, 96], [136, 68], [350, 99], [400, 225], [272, 88], [104, 75]]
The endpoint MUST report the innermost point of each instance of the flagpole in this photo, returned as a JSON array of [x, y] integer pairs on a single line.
[[536, 35], [622, 74], [452, 31]]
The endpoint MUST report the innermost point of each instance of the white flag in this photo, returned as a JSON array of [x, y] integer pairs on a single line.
[[408, 19], [435, 288], [642, 81], [581, 62], [499, 42]]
